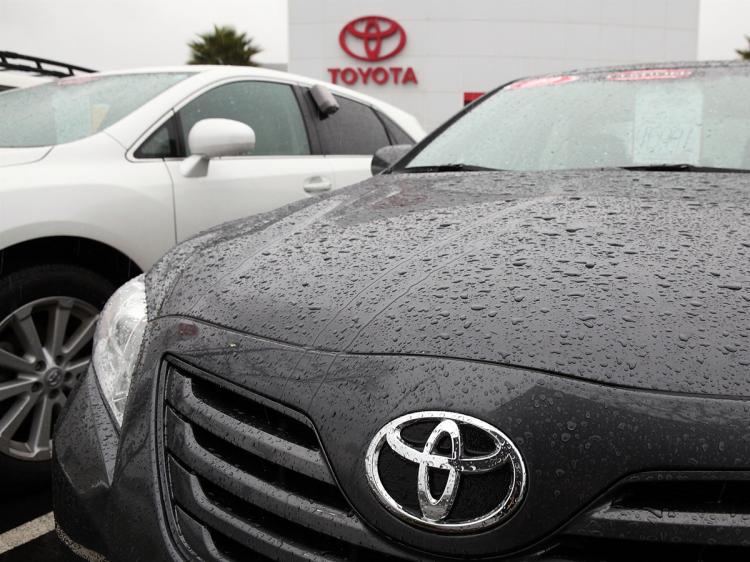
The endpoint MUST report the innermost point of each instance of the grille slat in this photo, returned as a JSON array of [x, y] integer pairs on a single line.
[[590, 549], [251, 534], [256, 441], [294, 507], [677, 527], [198, 536], [221, 463], [248, 479], [643, 511]]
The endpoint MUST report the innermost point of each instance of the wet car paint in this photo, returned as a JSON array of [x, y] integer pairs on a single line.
[[598, 318], [634, 279]]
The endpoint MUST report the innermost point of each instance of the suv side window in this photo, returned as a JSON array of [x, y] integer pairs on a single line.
[[353, 129], [397, 134], [163, 143], [271, 109]]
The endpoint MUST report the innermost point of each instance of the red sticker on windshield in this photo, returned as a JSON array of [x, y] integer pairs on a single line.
[[74, 80], [540, 82], [652, 74]]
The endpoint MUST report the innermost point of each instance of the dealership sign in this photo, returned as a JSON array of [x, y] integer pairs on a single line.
[[372, 39]]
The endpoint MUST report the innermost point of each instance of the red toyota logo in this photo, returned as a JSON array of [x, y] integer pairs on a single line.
[[380, 38]]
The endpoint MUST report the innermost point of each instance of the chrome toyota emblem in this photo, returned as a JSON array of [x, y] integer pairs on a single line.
[[482, 473]]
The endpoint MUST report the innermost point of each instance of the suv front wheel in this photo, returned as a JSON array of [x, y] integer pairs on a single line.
[[47, 319]]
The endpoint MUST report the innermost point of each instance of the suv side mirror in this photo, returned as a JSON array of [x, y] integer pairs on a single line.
[[387, 156], [211, 138], [323, 98]]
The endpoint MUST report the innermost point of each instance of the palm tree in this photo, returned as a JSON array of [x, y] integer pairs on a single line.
[[745, 53], [223, 46]]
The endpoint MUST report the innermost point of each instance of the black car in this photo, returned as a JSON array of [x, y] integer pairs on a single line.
[[528, 339]]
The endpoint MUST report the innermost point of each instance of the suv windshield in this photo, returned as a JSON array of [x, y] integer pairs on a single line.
[[73, 108], [671, 119]]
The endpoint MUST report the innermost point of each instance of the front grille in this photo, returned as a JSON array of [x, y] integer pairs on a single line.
[[248, 480]]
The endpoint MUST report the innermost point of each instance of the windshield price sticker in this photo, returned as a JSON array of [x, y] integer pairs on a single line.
[[667, 126], [651, 74], [75, 80], [540, 82]]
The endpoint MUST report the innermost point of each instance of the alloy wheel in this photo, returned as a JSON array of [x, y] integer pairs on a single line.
[[45, 347]]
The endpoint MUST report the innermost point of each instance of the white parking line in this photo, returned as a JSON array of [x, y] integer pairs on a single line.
[[27, 532]]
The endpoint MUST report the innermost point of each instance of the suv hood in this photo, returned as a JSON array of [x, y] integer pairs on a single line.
[[634, 279], [16, 156]]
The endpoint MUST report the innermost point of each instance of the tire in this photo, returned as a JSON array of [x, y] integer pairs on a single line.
[[44, 296]]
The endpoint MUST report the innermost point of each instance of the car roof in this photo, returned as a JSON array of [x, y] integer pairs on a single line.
[[21, 80]]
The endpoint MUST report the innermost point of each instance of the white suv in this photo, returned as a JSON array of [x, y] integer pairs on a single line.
[[101, 174]]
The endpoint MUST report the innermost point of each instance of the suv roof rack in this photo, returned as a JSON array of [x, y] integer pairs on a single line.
[[38, 65]]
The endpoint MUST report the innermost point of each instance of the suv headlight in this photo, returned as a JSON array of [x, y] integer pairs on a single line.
[[117, 343]]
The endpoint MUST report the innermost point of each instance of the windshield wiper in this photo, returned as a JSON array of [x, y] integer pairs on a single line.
[[447, 168], [683, 168]]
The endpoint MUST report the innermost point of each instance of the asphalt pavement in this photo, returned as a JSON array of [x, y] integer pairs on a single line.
[[27, 530]]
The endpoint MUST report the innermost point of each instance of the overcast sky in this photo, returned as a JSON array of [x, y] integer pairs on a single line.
[[723, 25], [109, 34]]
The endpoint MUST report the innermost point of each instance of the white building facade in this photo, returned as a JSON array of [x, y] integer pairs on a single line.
[[431, 56]]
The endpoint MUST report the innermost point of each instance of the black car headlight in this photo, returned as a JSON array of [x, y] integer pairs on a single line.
[[117, 343]]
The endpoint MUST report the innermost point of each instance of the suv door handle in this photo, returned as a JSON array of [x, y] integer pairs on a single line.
[[317, 184]]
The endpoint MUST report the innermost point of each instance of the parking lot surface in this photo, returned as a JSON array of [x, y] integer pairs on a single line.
[[27, 531]]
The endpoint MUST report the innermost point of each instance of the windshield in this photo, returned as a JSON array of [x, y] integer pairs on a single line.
[[73, 108], [685, 116]]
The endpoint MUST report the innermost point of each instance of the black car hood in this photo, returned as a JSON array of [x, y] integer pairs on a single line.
[[633, 279]]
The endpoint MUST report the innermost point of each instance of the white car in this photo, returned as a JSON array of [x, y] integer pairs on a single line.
[[101, 174]]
